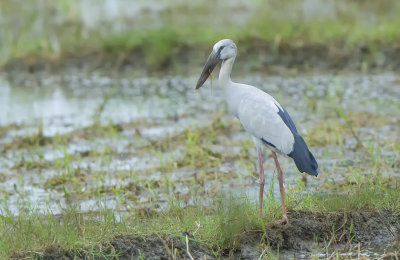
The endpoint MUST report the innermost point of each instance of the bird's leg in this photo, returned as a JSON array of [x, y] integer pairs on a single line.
[[262, 181], [284, 219]]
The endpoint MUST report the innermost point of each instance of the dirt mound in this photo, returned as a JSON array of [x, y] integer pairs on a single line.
[[127, 247], [310, 231], [157, 247], [307, 232]]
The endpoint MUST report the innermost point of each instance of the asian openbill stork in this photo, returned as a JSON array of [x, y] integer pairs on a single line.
[[263, 117]]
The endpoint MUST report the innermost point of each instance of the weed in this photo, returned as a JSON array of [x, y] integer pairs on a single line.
[[269, 25]]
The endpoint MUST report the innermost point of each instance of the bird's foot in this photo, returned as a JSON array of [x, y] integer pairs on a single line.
[[283, 221]]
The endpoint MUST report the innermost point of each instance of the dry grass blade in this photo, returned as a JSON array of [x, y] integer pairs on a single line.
[[187, 248]]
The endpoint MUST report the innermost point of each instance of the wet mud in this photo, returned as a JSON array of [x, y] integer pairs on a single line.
[[308, 234], [129, 247]]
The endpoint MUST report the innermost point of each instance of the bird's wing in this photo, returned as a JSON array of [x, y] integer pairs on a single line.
[[260, 115]]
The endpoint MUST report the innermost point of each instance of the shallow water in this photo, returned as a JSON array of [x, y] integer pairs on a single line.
[[155, 108], [89, 169]]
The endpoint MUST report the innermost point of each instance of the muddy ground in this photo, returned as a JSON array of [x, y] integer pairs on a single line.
[[78, 139], [306, 234]]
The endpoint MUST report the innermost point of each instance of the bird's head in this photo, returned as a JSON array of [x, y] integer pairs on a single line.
[[222, 50]]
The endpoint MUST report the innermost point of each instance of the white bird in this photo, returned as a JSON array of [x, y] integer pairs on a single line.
[[263, 117]]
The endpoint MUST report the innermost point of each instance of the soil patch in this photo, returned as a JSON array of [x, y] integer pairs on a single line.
[[308, 232], [127, 246]]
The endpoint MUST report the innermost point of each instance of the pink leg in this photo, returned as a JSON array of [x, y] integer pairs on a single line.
[[262, 181], [284, 219]]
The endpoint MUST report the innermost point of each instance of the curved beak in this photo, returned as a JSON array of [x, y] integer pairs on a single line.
[[211, 63]]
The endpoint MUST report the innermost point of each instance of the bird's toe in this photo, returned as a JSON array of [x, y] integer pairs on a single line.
[[283, 221]]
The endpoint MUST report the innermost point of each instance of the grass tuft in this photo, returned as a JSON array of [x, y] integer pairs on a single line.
[[219, 225]]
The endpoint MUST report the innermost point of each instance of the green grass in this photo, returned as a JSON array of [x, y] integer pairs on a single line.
[[197, 26], [219, 225]]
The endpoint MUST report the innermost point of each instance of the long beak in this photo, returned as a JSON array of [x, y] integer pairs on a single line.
[[211, 63]]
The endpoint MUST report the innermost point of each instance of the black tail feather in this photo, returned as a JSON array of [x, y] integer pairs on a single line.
[[302, 157]]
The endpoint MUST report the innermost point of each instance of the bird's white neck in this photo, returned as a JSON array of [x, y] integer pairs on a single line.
[[231, 91], [225, 72]]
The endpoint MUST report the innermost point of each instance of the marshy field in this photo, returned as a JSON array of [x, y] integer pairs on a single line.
[[108, 152]]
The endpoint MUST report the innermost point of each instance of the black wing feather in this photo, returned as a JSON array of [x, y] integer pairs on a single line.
[[300, 153]]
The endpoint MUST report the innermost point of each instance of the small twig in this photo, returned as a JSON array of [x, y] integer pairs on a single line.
[[198, 224], [344, 228], [166, 246], [350, 126], [187, 248], [172, 250]]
